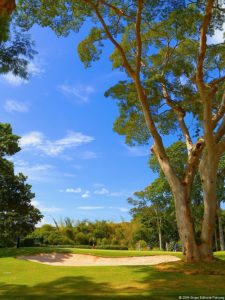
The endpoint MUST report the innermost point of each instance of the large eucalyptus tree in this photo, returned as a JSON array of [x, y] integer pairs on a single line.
[[175, 82]]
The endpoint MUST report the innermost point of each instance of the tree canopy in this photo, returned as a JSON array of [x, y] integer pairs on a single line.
[[18, 216]]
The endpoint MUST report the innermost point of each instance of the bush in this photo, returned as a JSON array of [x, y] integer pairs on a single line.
[[141, 244], [27, 242], [81, 239], [112, 247]]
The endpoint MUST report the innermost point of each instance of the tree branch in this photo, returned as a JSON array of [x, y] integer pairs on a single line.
[[118, 11], [220, 112], [217, 81], [138, 37], [115, 43], [203, 45], [220, 132], [180, 113]]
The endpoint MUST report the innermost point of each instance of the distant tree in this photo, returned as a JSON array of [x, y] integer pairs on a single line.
[[18, 216]]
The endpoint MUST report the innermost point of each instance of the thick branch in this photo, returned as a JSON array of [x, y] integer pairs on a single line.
[[220, 132], [7, 7], [217, 81], [180, 113], [193, 161], [203, 45], [138, 37], [220, 113]]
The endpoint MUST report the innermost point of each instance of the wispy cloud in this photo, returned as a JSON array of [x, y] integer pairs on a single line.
[[36, 141], [88, 155], [72, 190], [121, 209], [35, 172], [45, 209], [86, 194], [137, 151], [90, 207], [101, 191], [34, 69], [80, 92], [16, 106]]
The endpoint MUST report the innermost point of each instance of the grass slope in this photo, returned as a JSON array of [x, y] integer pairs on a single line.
[[26, 280]]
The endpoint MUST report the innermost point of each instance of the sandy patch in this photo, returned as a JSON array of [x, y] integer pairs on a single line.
[[65, 259]]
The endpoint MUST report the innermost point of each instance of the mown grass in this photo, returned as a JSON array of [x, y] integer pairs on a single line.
[[11, 252], [27, 280]]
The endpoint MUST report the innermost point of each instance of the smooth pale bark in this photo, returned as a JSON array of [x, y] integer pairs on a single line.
[[208, 174], [185, 224], [160, 233]]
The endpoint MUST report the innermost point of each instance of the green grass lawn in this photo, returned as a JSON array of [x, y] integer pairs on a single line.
[[26, 280]]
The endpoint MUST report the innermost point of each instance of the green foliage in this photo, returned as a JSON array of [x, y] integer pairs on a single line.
[[18, 216], [89, 49]]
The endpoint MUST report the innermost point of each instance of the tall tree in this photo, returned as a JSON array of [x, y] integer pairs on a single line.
[[173, 75], [18, 216]]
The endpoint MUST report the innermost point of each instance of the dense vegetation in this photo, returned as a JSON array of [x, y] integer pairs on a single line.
[[18, 216]]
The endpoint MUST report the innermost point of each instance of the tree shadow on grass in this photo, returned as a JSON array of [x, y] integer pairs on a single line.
[[177, 279], [76, 287]]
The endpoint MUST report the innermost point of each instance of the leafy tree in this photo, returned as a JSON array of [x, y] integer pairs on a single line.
[[173, 75], [18, 216], [16, 47]]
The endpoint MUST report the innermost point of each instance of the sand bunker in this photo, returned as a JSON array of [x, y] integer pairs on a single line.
[[66, 259]]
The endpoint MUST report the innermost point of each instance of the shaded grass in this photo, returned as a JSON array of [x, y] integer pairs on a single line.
[[27, 280]]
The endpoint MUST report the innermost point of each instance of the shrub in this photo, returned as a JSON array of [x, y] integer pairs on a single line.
[[27, 242], [141, 244]]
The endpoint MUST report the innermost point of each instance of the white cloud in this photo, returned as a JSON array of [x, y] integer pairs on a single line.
[[16, 106], [36, 141], [43, 209], [80, 92], [13, 80], [102, 191], [90, 207], [137, 151], [218, 37], [86, 194], [37, 172], [88, 155], [76, 191], [34, 69], [122, 209], [33, 138]]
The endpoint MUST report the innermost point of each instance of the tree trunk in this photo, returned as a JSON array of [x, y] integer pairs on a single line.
[[220, 225], [185, 224], [208, 174], [7, 7], [216, 240], [160, 237]]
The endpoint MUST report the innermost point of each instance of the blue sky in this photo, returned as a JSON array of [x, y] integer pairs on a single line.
[[77, 165]]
